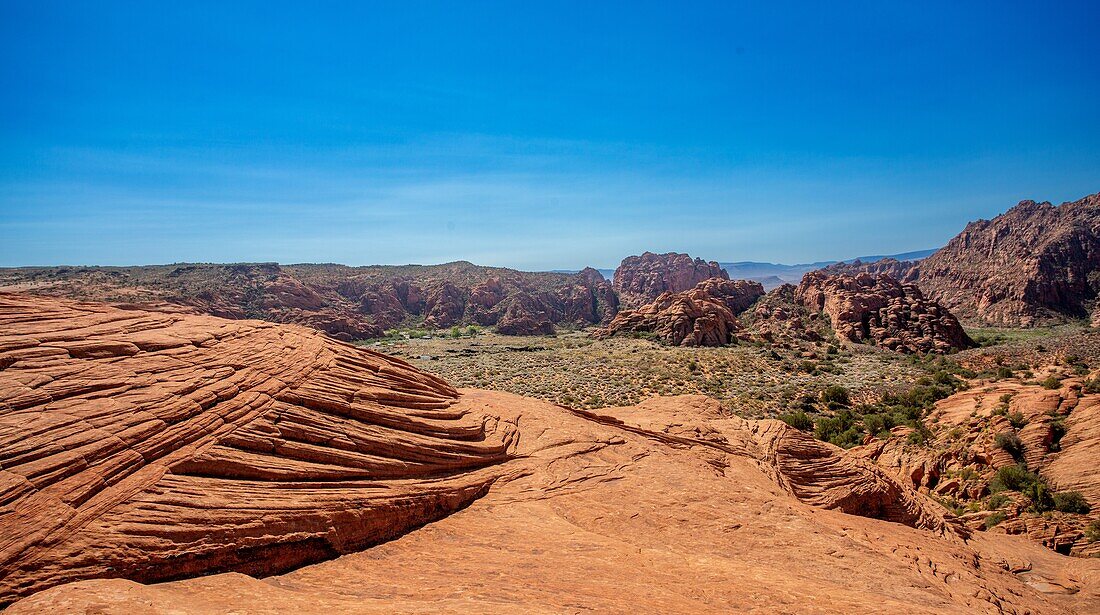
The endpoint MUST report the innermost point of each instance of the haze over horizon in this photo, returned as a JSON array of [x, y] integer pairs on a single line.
[[532, 137]]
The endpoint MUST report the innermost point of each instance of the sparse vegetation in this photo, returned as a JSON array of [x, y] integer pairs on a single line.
[[1009, 442], [798, 419], [994, 520], [1071, 502]]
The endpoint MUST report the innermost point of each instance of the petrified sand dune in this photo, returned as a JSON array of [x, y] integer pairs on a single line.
[[204, 444], [152, 446]]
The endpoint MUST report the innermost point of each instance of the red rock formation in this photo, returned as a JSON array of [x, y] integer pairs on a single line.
[[1033, 263], [641, 279], [961, 458], [778, 318], [702, 316], [155, 446], [882, 311], [346, 302], [903, 271]]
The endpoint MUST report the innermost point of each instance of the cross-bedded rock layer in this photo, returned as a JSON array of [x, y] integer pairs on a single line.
[[155, 446]]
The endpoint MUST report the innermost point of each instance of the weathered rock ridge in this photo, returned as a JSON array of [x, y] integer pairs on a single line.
[[641, 279], [882, 311], [153, 446], [348, 303], [703, 316], [1035, 262]]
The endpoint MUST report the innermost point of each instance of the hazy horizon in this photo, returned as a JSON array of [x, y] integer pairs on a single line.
[[432, 132]]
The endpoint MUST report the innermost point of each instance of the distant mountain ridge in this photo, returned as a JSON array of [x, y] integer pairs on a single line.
[[772, 275]]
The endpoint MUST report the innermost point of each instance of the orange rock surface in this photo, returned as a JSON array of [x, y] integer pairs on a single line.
[[150, 446]]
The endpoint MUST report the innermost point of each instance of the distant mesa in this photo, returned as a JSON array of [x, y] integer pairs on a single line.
[[348, 303], [773, 275]]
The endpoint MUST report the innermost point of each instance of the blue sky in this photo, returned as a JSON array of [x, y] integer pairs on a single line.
[[532, 135]]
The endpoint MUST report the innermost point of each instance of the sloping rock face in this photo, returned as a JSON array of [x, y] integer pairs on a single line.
[[155, 446], [1059, 438], [702, 316], [882, 311], [1034, 263], [641, 279], [667, 506], [349, 303]]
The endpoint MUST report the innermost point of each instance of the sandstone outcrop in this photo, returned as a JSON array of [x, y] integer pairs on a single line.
[[902, 271], [703, 316], [882, 311], [1034, 263], [1058, 431], [156, 446], [670, 506], [142, 446], [641, 279]]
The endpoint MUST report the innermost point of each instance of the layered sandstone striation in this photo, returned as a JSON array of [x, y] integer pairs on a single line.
[[641, 279], [154, 446], [706, 315], [882, 311], [142, 446]]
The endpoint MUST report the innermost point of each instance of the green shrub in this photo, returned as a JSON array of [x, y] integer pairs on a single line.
[[1017, 419], [920, 434], [1042, 499], [798, 419], [1013, 478], [1057, 432], [835, 396], [994, 520], [1071, 502], [1091, 386], [1009, 442], [1004, 373], [840, 430], [996, 501], [1051, 382], [876, 424], [1092, 531]]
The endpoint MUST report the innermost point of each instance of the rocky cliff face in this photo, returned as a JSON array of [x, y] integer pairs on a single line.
[[346, 302], [882, 311], [703, 316], [641, 279], [1034, 263]]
